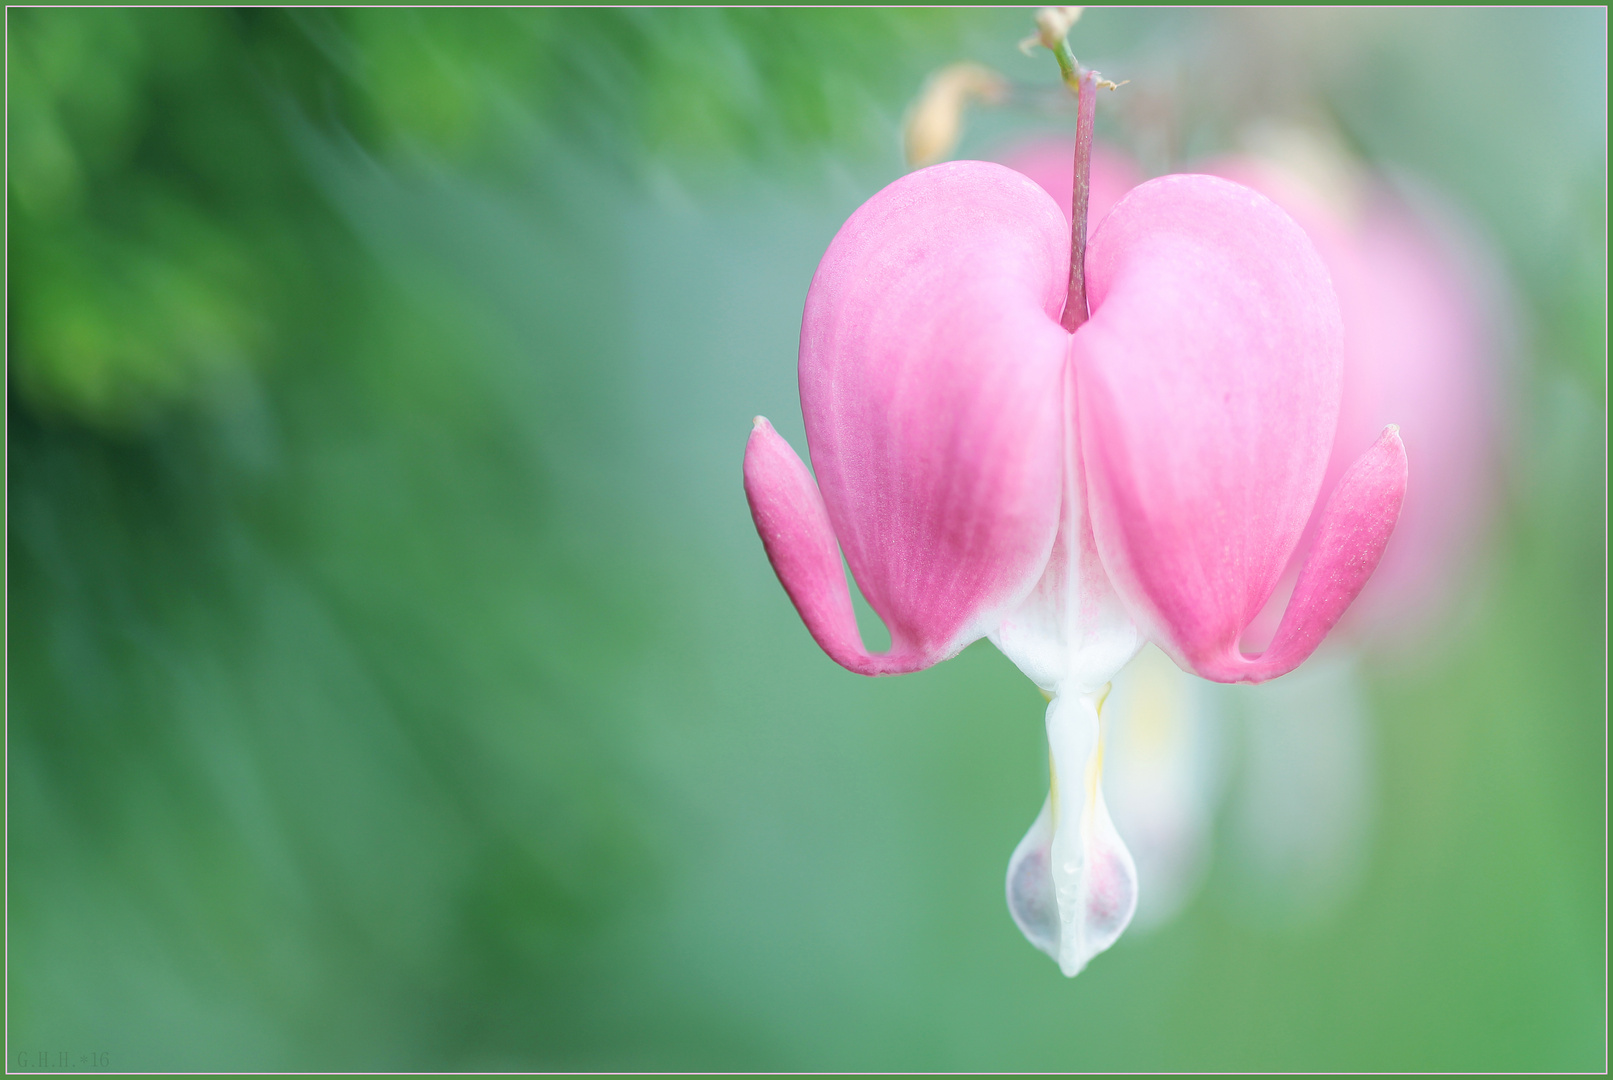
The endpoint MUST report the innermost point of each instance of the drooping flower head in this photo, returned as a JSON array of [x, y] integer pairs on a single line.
[[1070, 451]]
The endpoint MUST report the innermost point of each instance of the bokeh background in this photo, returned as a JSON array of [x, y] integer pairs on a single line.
[[395, 680]]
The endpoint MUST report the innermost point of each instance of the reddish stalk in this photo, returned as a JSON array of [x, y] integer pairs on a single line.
[[1075, 304]]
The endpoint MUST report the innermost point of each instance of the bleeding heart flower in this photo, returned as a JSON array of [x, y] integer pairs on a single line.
[[996, 456]]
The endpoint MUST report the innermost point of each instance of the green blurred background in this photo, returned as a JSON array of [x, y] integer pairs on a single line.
[[395, 678]]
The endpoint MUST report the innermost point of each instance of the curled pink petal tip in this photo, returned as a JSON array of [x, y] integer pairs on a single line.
[[1352, 531], [800, 543]]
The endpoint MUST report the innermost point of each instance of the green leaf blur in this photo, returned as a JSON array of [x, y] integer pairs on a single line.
[[396, 682]]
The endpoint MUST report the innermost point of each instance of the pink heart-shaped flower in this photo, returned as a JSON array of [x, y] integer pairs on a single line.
[[987, 472], [934, 382]]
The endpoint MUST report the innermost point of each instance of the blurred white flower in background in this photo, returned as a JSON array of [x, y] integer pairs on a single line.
[[1300, 819], [1164, 767]]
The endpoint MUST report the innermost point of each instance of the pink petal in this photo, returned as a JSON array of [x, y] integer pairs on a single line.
[[1209, 382], [932, 366], [794, 527], [1352, 530]]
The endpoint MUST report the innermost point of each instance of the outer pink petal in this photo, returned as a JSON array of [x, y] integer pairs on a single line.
[[794, 527], [931, 373], [1351, 532], [1209, 381]]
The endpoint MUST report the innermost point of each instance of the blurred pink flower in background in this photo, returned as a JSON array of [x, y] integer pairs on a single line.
[[1423, 327], [1420, 348]]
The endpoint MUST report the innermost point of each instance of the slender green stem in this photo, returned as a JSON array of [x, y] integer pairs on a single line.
[[1068, 68]]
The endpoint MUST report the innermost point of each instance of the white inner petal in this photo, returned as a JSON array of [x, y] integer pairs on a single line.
[[1031, 898], [1072, 886], [1071, 634]]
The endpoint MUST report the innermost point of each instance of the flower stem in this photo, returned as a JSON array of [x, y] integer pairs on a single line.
[[1075, 304]]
